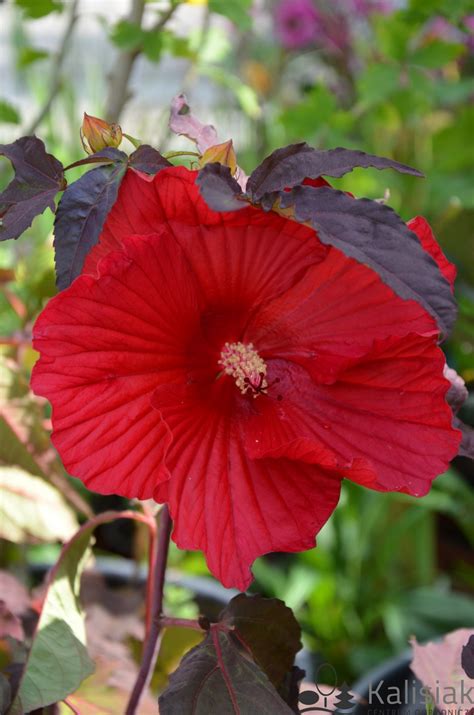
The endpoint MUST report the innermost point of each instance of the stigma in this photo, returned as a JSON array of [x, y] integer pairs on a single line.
[[242, 362]]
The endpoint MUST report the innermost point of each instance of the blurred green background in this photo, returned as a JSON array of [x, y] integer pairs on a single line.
[[388, 77]]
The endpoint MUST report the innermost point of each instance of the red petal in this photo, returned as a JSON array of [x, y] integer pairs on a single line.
[[385, 420], [423, 230], [105, 345], [222, 502], [332, 316], [240, 258]]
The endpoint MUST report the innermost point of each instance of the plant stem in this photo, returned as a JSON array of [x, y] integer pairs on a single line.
[[118, 91], [158, 579], [55, 81], [173, 154]]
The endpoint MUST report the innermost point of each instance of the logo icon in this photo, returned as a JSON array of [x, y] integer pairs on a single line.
[[326, 698]]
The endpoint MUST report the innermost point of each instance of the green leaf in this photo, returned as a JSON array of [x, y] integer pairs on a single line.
[[378, 83], [127, 35], [436, 54], [29, 55], [58, 660], [26, 507], [8, 113], [39, 8], [152, 45], [12, 448], [237, 11]]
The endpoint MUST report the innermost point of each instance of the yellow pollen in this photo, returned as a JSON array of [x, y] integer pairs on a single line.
[[242, 362]]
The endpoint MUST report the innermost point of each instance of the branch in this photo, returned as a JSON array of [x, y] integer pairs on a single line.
[[158, 578], [118, 93], [55, 81]]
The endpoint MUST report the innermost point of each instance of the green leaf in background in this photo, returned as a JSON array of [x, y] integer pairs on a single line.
[[28, 55], [152, 44], [30, 508], [8, 113], [436, 54], [378, 82], [58, 660], [245, 95], [235, 10], [39, 8], [127, 35], [312, 114]]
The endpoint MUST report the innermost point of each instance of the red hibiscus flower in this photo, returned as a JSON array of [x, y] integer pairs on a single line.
[[233, 366]]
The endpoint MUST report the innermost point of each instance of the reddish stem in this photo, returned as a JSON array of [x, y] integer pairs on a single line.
[[157, 578], [152, 550]]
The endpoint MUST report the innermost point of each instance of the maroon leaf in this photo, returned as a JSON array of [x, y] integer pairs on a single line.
[[218, 676], [374, 234], [467, 657], [290, 165], [269, 629], [38, 178], [219, 189], [81, 215], [148, 160]]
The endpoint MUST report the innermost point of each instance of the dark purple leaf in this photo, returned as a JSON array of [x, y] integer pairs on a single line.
[[148, 160], [374, 234], [467, 658], [290, 165], [219, 189], [38, 178], [81, 215], [466, 448], [290, 688], [218, 676], [269, 629]]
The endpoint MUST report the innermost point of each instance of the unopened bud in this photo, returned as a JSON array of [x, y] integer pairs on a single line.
[[96, 134], [222, 154]]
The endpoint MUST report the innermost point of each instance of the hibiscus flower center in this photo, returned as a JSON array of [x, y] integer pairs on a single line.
[[242, 362]]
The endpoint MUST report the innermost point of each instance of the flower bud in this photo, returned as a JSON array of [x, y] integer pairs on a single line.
[[222, 154], [96, 134]]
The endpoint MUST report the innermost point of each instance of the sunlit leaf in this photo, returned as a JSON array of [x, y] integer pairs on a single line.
[[126, 35], [58, 660], [30, 508], [237, 11], [39, 8], [8, 113], [28, 55]]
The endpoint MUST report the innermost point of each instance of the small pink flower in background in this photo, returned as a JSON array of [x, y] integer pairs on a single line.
[[439, 28], [468, 23], [297, 23], [370, 7]]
